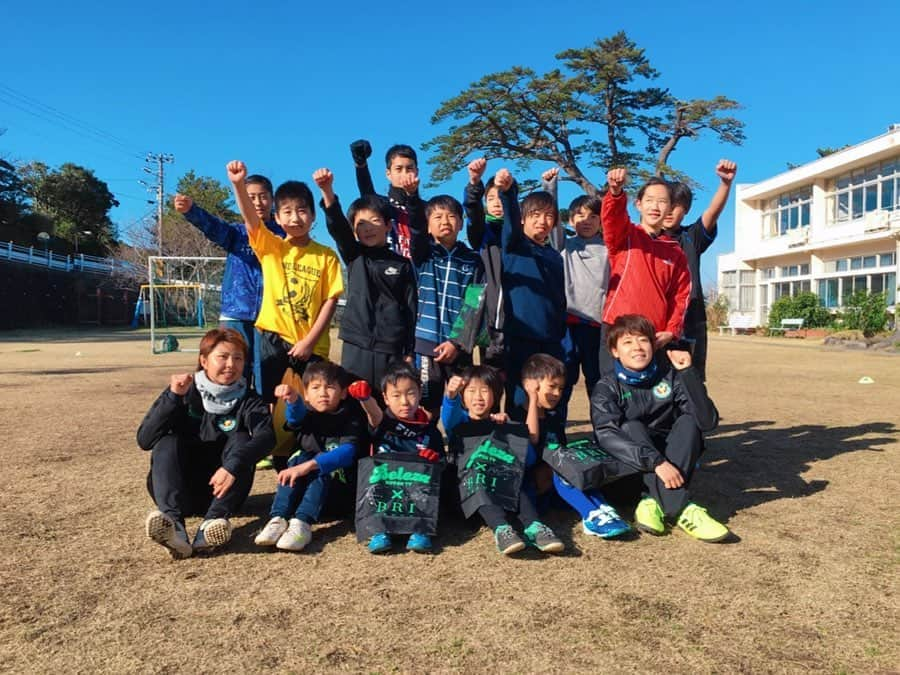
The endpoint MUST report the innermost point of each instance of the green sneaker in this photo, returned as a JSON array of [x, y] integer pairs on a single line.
[[648, 517], [264, 464], [508, 542], [543, 538], [700, 525]]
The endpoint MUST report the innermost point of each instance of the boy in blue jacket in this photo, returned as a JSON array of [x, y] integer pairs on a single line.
[[242, 282], [330, 432], [533, 281]]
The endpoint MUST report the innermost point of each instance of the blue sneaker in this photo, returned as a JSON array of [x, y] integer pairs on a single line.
[[420, 543], [380, 543], [605, 523]]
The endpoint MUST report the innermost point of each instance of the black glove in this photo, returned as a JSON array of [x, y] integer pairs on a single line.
[[361, 151]]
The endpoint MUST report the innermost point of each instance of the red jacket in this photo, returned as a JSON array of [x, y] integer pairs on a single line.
[[648, 275]]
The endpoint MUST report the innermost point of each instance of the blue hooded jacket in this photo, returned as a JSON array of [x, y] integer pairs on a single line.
[[242, 284]]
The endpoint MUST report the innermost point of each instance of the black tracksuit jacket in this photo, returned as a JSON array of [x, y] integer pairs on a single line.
[[380, 314], [656, 403]]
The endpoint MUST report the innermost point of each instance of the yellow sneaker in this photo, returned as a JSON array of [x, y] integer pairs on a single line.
[[649, 517], [700, 525]]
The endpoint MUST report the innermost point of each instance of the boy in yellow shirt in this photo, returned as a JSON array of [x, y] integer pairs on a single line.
[[301, 281]]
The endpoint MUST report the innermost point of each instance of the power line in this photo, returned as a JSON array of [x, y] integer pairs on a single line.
[[52, 115]]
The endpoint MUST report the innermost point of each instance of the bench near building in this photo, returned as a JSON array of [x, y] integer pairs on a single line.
[[831, 227]]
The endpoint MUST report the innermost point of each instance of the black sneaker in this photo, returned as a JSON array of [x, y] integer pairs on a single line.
[[212, 534], [543, 538], [508, 542]]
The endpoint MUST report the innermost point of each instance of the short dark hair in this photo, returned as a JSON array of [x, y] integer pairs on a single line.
[[375, 203], [590, 202], [682, 195], [443, 202], [489, 185], [400, 150], [541, 366], [328, 372], [490, 376], [630, 324], [655, 181], [295, 189], [257, 179], [398, 371], [539, 201]]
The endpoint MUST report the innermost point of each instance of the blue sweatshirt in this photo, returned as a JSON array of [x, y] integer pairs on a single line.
[[242, 283], [533, 280]]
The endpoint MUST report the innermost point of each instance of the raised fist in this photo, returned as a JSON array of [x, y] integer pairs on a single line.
[[179, 384], [550, 174], [361, 150], [429, 455], [360, 390], [237, 171], [476, 170], [454, 386], [410, 182], [616, 180], [503, 180], [286, 393], [680, 358], [182, 203], [726, 170], [324, 179]]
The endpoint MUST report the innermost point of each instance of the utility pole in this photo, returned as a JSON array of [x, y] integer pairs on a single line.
[[160, 159]]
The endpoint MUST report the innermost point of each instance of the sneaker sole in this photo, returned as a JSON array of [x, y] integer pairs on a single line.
[[710, 540], [418, 549], [612, 534], [512, 548], [379, 551], [292, 545], [217, 534], [557, 547], [649, 530], [161, 530]]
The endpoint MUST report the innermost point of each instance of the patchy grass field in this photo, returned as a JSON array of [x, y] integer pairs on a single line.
[[804, 469]]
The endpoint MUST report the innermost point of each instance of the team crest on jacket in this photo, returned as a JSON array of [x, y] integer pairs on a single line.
[[226, 423], [662, 391]]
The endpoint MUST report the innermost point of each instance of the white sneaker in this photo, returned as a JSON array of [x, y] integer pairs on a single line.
[[296, 537], [212, 534], [165, 531], [269, 535]]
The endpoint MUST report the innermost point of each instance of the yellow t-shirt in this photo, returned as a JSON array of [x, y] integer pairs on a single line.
[[297, 280]]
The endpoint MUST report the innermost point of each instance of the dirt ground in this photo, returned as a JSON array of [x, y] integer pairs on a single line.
[[803, 469]]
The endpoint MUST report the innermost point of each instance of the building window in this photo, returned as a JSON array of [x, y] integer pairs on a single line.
[[729, 288], [828, 292], [865, 190], [768, 273], [887, 259], [788, 211], [804, 269], [747, 291]]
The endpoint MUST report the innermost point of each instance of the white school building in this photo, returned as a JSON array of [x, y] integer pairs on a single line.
[[831, 226]]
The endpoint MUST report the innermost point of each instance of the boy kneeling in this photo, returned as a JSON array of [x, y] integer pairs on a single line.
[[650, 414]]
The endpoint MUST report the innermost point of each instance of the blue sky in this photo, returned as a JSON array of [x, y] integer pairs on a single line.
[[288, 88]]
